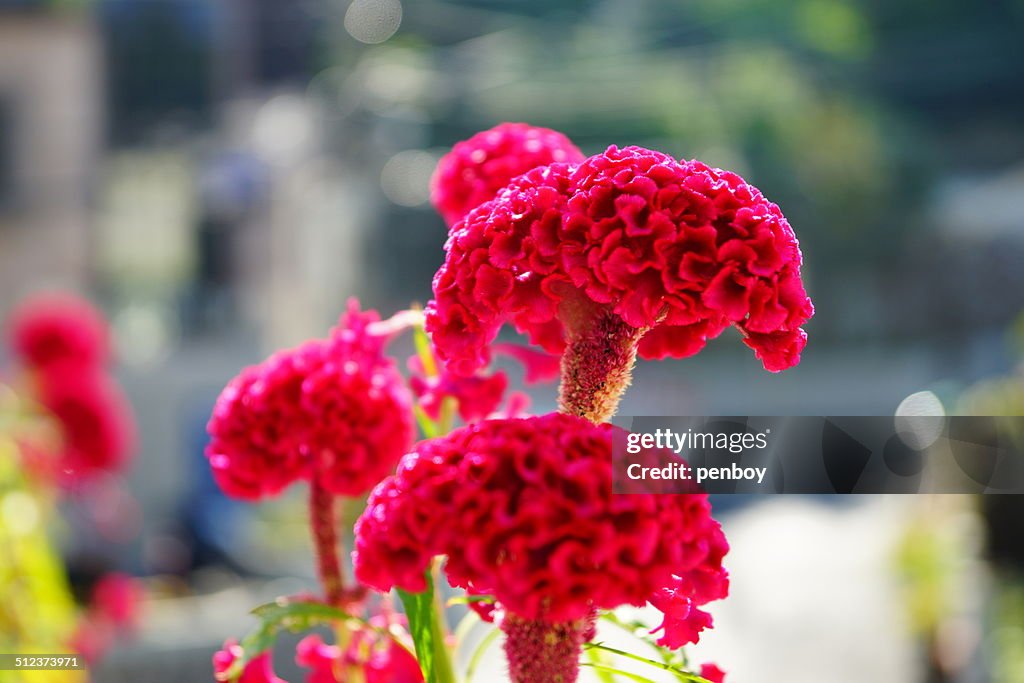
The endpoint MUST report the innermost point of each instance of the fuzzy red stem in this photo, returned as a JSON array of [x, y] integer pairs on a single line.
[[542, 652], [597, 366], [325, 541]]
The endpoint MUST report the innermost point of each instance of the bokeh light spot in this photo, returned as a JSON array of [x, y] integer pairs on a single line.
[[373, 21], [405, 178]]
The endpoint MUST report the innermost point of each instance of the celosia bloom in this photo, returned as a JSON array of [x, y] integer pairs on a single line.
[[523, 511], [379, 659], [477, 168], [332, 409], [258, 670], [53, 328], [97, 430], [628, 249]]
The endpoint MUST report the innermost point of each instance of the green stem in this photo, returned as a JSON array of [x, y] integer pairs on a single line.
[[428, 632], [443, 667]]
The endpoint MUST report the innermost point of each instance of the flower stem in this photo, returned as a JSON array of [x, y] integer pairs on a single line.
[[542, 652], [597, 366], [325, 541]]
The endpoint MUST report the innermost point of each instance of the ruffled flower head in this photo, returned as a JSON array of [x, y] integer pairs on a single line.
[[523, 511], [96, 426], [58, 328], [332, 409], [477, 168], [668, 253]]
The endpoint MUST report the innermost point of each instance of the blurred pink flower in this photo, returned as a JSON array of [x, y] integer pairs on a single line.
[[92, 638], [378, 658], [95, 419], [333, 409], [258, 670], [50, 328], [117, 598], [323, 659]]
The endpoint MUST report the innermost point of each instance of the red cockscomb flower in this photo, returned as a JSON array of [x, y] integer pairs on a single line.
[[664, 254], [332, 409], [523, 510], [96, 426], [258, 670], [51, 328], [477, 168]]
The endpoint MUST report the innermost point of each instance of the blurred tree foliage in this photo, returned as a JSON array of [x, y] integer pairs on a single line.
[[845, 113], [849, 114]]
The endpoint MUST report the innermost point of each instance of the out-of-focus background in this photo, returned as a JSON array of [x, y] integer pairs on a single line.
[[222, 176]]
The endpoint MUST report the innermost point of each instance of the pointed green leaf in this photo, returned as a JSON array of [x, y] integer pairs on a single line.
[[427, 633], [681, 674]]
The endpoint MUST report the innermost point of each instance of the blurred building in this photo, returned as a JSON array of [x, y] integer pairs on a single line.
[[50, 132]]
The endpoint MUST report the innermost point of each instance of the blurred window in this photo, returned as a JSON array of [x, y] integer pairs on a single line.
[[7, 161]]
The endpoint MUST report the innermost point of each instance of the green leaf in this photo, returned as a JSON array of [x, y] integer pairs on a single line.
[[427, 426], [681, 674], [467, 599], [446, 417], [427, 633], [417, 611], [289, 614], [425, 351], [601, 668], [478, 653], [642, 632], [599, 658]]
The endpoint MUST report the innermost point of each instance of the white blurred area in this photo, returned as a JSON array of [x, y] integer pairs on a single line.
[[813, 595]]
